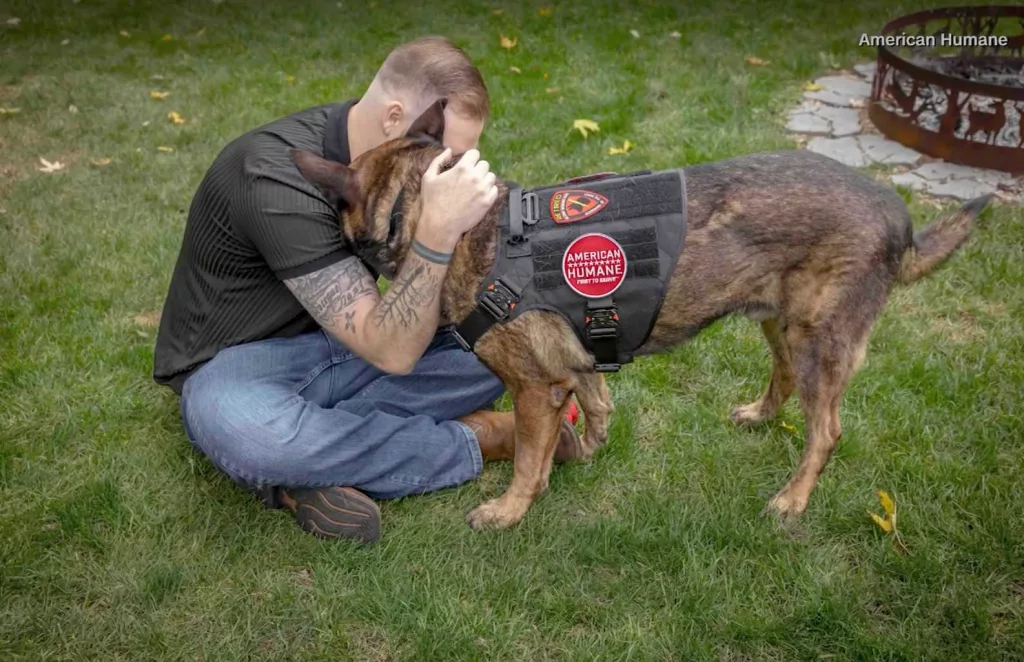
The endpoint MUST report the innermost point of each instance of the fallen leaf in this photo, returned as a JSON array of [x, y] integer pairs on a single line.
[[156, 77], [787, 426], [497, 12], [636, 35], [551, 90], [124, 33], [883, 522], [72, 108], [13, 20], [150, 318], [165, 149], [545, 75], [508, 43], [626, 146], [9, 111], [756, 61], [175, 117], [159, 96], [675, 34], [48, 167], [812, 87], [289, 79], [167, 37], [65, 42], [201, 32], [586, 126], [515, 70], [887, 503], [102, 162], [544, 11], [146, 123]]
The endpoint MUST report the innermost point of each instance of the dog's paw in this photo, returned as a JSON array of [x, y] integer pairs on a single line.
[[748, 415], [491, 516], [593, 438], [786, 505]]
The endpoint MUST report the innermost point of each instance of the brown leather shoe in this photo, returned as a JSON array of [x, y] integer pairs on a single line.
[[333, 512], [496, 433]]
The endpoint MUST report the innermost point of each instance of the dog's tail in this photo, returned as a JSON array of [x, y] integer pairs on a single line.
[[935, 243]]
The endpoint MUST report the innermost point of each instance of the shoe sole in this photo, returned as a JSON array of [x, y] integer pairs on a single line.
[[337, 513]]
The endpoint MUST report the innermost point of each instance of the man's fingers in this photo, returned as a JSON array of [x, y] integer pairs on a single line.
[[491, 196], [489, 180], [481, 168], [469, 159], [439, 160]]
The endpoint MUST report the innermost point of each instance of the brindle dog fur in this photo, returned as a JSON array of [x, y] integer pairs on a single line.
[[798, 242]]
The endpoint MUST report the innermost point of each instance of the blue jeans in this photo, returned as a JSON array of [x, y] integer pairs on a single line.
[[307, 412]]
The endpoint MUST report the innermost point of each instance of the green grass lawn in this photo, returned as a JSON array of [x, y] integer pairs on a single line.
[[117, 541]]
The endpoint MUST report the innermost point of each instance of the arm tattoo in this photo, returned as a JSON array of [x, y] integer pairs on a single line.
[[413, 290], [350, 321], [327, 293]]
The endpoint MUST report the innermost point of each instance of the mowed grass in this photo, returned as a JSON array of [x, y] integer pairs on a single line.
[[117, 541]]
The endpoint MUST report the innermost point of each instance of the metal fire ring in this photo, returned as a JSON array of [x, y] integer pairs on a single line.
[[938, 91]]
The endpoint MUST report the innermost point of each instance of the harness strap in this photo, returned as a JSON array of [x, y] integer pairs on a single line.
[[602, 328], [493, 306]]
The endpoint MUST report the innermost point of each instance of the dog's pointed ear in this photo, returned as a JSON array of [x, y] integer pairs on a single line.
[[330, 177], [431, 122]]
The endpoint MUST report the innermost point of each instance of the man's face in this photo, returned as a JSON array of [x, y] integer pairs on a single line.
[[461, 133]]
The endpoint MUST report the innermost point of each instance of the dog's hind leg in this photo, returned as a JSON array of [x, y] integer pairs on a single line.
[[780, 385], [539, 411], [596, 404], [825, 358]]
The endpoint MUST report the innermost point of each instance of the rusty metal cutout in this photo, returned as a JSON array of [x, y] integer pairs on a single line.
[[961, 103]]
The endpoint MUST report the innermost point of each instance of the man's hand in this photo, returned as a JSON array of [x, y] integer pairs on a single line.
[[454, 201]]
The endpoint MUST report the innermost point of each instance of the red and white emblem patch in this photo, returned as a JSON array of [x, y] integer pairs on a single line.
[[571, 205], [594, 265]]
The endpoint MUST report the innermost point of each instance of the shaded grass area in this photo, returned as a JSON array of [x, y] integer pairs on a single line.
[[119, 542]]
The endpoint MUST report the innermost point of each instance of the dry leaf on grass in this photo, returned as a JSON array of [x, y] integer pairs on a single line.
[[49, 167], [165, 149], [586, 126], [508, 43], [887, 522], [675, 34], [158, 96], [544, 11], [175, 117], [812, 87], [289, 79], [497, 12], [9, 111], [551, 90], [515, 70], [65, 42], [72, 108], [756, 61], [124, 33], [102, 162], [14, 20], [787, 426], [149, 319], [167, 37], [626, 146]]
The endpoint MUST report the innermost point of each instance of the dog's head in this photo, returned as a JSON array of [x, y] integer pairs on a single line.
[[378, 196]]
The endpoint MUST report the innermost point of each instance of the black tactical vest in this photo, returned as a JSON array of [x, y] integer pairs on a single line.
[[599, 250]]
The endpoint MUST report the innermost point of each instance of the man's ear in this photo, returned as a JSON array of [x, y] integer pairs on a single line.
[[330, 177], [431, 122]]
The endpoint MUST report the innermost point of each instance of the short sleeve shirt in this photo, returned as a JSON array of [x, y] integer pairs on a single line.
[[253, 223]]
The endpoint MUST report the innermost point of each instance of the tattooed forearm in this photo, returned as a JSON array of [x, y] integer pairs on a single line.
[[411, 296], [327, 293], [350, 321]]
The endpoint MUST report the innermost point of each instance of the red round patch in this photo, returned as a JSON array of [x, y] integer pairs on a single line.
[[594, 265]]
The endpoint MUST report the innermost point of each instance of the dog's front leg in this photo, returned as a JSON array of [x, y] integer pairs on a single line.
[[596, 404], [538, 410]]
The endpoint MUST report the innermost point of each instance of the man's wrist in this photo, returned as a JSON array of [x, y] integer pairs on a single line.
[[435, 237]]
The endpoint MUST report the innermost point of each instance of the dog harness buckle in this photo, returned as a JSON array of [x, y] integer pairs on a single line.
[[523, 209], [494, 305], [602, 327]]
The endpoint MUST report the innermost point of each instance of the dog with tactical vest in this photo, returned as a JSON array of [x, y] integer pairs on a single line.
[[798, 242]]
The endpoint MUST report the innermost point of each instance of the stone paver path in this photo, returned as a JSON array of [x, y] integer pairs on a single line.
[[831, 118]]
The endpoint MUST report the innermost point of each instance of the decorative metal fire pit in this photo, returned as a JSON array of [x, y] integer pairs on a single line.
[[950, 83]]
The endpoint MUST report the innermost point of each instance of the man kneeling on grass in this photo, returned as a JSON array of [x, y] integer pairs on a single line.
[[297, 378]]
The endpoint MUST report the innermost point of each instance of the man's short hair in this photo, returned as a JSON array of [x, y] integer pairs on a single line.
[[434, 66]]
